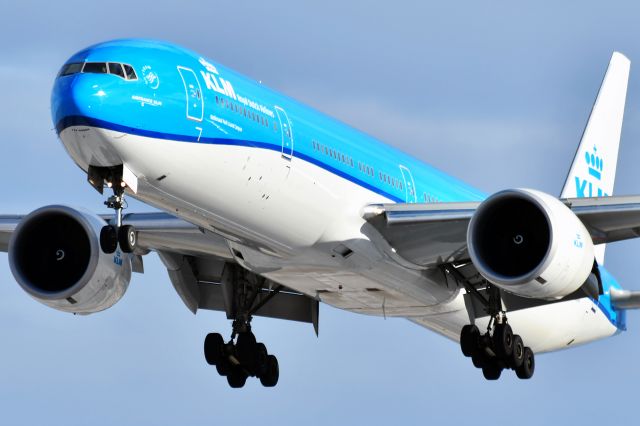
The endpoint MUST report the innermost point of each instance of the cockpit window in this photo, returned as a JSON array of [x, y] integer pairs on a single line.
[[123, 71], [72, 68], [95, 67], [116, 69], [131, 74]]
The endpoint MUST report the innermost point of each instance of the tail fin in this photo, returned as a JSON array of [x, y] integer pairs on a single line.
[[593, 171]]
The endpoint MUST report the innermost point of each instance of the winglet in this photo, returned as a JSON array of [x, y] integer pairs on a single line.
[[593, 171]]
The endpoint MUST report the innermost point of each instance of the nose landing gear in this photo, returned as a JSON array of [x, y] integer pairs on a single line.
[[113, 235]]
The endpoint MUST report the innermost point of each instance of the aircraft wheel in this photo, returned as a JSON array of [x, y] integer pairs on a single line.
[[246, 349], [128, 238], [223, 367], [272, 372], [479, 358], [261, 358], [491, 370], [503, 341], [236, 377], [108, 239], [213, 346], [517, 356], [469, 339], [525, 371]]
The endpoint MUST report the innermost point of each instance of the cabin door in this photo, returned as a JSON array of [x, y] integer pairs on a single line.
[[193, 92], [287, 133], [409, 185]]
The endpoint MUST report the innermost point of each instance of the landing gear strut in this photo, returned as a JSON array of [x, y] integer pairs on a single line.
[[498, 348], [242, 356], [113, 235]]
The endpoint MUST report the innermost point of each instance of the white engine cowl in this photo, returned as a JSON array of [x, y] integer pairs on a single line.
[[530, 244], [55, 256]]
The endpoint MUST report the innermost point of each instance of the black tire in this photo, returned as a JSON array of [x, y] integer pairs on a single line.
[[246, 349], [236, 377], [503, 341], [127, 238], [469, 339], [260, 359], [517, 355], [213, 348], [479, 359], [525, 371], [108, 239], [270, 377], [223, 367], [491, 370]]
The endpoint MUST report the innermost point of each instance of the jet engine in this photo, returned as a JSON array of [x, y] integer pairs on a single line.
[[55, 256], [530, 244]]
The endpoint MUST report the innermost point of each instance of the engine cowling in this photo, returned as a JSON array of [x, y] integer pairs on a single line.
[[55, 256], [530, 244]]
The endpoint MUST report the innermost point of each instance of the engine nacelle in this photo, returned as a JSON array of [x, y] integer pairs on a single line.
[[55, 256], [530, 244]]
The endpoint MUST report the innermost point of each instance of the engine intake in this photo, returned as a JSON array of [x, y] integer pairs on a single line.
[[55, 256], [531, 244]]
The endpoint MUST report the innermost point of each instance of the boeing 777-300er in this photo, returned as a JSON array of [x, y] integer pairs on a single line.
[[269, 208]]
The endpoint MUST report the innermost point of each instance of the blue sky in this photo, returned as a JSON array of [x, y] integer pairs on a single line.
[[491, 92]]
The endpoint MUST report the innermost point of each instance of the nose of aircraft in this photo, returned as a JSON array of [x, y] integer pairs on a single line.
[[76, 97], [82, 101]]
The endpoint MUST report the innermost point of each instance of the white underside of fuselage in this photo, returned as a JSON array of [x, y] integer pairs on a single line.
[[293, 222]]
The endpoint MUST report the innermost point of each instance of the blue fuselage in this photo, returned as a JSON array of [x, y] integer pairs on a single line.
[[222, 107]]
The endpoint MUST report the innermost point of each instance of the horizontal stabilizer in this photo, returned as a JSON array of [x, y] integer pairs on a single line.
[[625, 299]]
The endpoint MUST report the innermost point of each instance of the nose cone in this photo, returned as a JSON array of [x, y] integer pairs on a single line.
[[76, 99], [80, 104]]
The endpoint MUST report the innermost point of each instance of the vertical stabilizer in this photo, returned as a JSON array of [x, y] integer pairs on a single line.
[[593, 171]]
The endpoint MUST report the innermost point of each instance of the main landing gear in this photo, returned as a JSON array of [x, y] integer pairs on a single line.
[[113, 235], [242, 356], [240, 359], [498, 348], [498, 351]]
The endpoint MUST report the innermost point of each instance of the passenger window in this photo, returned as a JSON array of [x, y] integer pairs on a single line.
[[95, 67], [116, 69], [69, 69], [130, 72]]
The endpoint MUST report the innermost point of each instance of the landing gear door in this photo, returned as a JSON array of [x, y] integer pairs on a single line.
[[409, 185], [193, 91], [287, 133]]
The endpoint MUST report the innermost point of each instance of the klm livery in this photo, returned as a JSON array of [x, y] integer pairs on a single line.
[[267, 208]]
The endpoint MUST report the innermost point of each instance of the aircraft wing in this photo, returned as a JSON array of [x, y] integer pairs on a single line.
[[195, 262], [156, 231], [436, 233]]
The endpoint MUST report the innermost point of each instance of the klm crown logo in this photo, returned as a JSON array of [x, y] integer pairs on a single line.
[[588, 187], [594, 162]]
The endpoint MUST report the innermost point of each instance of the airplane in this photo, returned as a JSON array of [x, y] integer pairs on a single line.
[[268, 208]]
